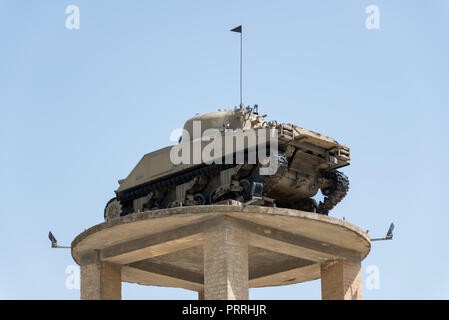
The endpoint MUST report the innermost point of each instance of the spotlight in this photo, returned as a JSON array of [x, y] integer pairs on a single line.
[[389, 235], [390, 232], [54, 242]]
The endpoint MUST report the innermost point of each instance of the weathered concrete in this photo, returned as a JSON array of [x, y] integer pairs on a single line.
[[226, 262], [341, 280], [101, 281], [171, 247]]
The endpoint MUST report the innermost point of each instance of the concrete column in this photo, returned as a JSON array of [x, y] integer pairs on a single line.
[[101, 281], [226, 263], [341, 281]]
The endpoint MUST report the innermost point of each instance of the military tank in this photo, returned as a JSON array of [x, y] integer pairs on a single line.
[[306, 162]]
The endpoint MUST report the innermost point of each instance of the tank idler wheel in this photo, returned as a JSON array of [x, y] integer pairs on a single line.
[[113, 209]]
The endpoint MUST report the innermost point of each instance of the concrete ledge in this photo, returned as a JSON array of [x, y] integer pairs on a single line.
[[165, 247]]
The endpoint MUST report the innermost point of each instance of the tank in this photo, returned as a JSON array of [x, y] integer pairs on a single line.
[[237, 155]]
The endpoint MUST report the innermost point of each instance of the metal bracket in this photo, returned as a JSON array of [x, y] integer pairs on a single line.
[[54, 242], [388, 236]]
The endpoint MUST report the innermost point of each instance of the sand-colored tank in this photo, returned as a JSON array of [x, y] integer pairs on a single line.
[[236, 154]]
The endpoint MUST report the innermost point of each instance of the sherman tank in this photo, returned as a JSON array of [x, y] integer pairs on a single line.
[[305, 162]]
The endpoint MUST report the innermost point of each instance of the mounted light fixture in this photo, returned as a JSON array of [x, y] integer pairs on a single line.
[[54, 242], [388, 236]]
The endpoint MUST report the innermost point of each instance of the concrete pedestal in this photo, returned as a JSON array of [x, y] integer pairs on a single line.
[[341, 280], [101, 281], [226, 262], [220, 251]]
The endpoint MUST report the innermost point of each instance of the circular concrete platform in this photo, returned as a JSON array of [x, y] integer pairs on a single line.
[[165, 247]]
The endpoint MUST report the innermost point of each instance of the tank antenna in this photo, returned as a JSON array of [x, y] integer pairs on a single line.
[[239, 30]]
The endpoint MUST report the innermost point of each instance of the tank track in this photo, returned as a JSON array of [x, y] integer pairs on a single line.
[[126, 197], [182, 178], [335, 193]]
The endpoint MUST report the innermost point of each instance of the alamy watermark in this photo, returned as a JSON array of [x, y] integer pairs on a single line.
[[372, 22], [72, 282], [372, 281], [228, 146], [72, 21]]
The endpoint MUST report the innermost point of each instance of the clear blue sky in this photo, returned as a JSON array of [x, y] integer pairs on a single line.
[[80, 107]]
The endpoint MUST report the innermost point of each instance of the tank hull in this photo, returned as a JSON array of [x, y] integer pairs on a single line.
[[304, 159]]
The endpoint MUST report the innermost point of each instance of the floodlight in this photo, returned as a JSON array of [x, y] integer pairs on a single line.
[[54, 242], [389, 235], [390, 232]]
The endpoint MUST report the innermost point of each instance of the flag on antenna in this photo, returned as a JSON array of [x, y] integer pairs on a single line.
[[237, 29]]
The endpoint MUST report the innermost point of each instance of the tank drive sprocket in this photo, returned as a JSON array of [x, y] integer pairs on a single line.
[[113, 209]]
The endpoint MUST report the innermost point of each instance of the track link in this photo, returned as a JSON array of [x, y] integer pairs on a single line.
[[335, 193]]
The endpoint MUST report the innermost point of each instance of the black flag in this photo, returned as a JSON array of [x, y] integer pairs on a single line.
[[237, 29]]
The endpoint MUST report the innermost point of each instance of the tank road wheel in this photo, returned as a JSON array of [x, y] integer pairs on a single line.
[[113, 209], [199, 199]]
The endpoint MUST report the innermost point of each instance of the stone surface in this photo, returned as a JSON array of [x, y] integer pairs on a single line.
[[101, 281], [169, 247], [341, 280], [226, 262]]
